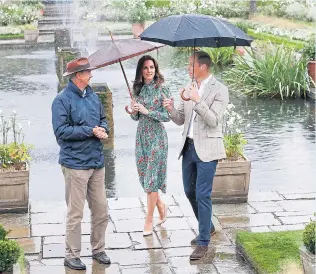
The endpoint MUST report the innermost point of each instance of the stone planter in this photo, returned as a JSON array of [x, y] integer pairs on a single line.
[[308, 261], [311, 68], [31, 36], [137, 29], [231, 182], [14, 191]]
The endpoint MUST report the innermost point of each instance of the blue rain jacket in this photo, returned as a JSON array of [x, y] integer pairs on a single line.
[[74, 115]]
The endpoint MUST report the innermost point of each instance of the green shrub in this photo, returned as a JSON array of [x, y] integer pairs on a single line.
[[277, 73], [220, 56], [3, 233], [9, 254], [309, 236], [243, 26], [309, 50]]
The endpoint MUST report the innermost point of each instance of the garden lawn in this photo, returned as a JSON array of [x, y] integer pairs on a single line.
[[279, 40], [268, 252]]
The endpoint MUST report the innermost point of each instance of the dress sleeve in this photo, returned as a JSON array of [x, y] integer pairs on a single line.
[[160, 113]]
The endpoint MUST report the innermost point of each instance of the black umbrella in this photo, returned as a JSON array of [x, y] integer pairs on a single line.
[[195, 30]]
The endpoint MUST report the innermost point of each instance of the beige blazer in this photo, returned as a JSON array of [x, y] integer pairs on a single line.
[[207, 125]]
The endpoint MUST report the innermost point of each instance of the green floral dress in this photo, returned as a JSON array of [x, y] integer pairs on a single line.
[[151, 139]]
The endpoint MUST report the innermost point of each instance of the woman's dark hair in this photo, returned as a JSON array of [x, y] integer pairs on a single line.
[[139, 81]]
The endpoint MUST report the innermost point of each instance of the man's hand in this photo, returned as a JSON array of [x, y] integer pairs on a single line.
[[141, 108], [99, 132], [168, 103], [194, 95]]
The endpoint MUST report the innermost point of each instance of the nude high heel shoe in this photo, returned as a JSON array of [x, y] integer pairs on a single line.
[[161, 221]]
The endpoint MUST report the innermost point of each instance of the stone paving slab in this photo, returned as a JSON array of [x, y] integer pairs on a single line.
[[91, 269], [124, 203], [288, 213], [127, 214], [287, 227], [295, 196], [259, 219], [148, 242], [152, 269], [232, 209], [183, 265], [291, 220], [31, 245], [264, 196], [266, 207], [174, 224], [135, 225], [181, 238], [299, 205], [137, 257]]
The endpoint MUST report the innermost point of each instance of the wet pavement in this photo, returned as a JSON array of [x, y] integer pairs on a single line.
[[41, 234]]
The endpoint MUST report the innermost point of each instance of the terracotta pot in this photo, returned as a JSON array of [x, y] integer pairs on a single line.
[[311, 68], [137, 29]]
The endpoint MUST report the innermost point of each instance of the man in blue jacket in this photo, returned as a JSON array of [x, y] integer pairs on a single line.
[[79, 125]]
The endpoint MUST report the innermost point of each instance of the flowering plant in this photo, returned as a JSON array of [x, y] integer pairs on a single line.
[[138, 13], [13, 152], [234, 140]]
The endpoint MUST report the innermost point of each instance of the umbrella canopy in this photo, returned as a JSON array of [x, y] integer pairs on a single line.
[[195, 30], [116, 51], [119, 50]]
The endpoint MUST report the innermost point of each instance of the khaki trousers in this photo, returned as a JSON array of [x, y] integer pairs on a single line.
[[82, 185]]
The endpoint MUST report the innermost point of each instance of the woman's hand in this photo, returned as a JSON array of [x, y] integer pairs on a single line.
[[141, 108]]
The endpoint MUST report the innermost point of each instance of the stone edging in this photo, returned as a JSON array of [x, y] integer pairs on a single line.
[[245, 256]]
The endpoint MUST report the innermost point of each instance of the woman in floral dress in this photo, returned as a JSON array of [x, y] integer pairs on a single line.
[[151, 137]]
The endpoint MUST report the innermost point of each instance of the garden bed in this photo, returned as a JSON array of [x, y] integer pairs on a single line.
[[271, 252], [11, 36]]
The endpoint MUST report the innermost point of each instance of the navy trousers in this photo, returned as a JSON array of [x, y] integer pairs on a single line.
[[197, 182]]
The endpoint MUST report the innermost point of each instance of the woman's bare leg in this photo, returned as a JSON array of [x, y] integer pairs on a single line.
[[152, 198], [160, 207]]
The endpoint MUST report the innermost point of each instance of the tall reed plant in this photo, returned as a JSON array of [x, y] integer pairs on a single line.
[[277, 73]]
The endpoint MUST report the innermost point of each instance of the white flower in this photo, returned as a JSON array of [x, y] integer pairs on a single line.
[[230, 106], [249, 111], [14, 111], [238, 117], [248, 125], [238, 130]]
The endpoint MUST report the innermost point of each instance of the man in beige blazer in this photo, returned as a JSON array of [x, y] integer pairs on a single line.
[[202, 143]]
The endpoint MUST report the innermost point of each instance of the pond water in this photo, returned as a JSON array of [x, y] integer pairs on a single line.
[[281, 136]]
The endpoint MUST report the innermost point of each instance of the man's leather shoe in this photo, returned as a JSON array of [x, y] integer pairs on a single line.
[[101, 258], [199, 252], [195, 240], [75, 264]]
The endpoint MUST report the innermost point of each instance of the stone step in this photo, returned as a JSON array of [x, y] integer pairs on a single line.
[[55, 21]]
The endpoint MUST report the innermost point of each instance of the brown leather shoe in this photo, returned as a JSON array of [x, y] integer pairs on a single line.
[[199, 252], [195, 240]]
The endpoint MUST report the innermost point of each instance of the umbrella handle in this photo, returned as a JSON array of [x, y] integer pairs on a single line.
[[182, 96]]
